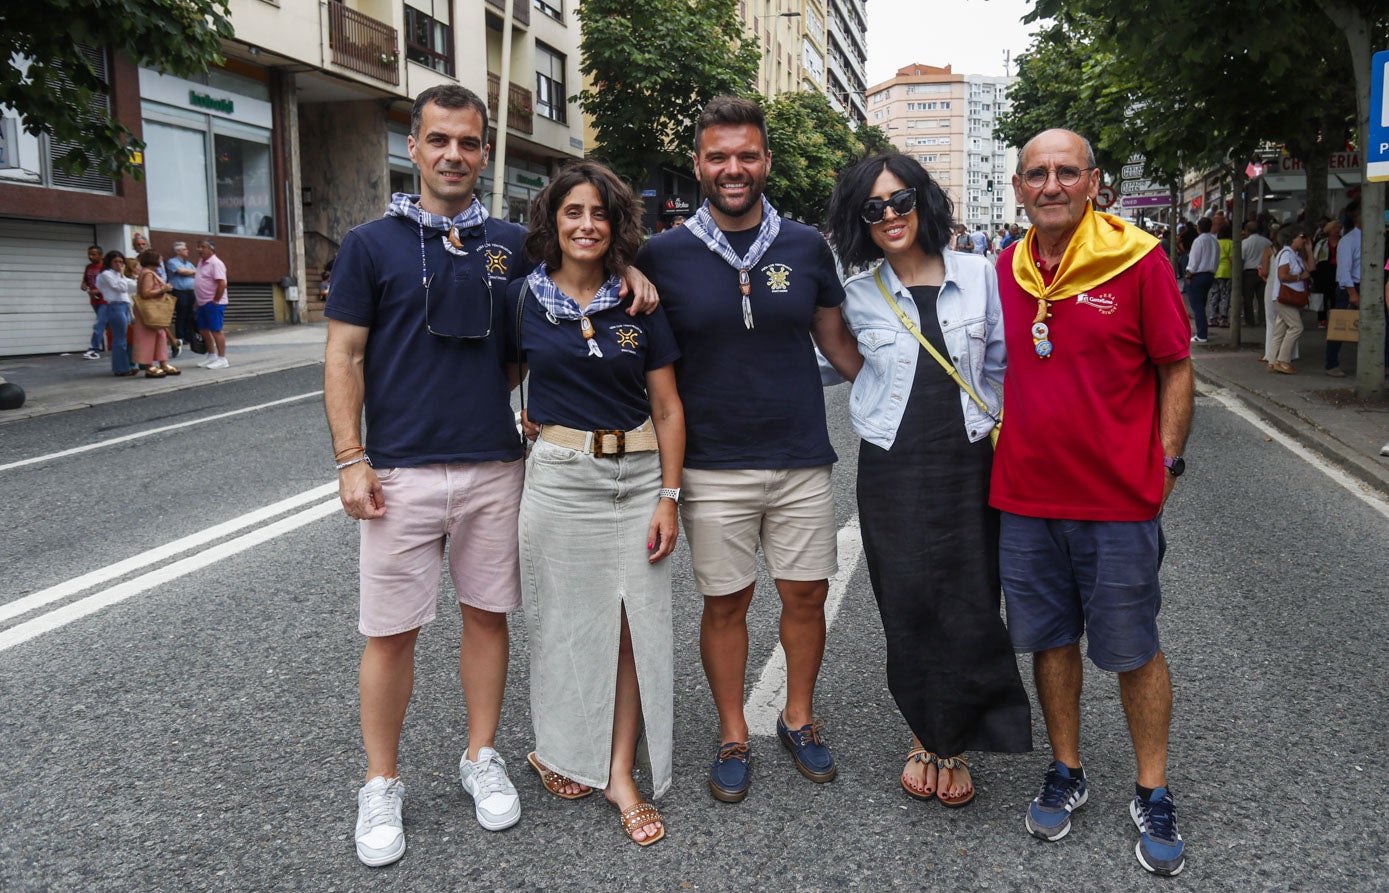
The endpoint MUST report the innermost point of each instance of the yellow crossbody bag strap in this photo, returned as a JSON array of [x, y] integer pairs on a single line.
[[944, 363]]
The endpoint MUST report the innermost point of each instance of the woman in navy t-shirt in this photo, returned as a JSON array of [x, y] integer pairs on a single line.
[[598, 513]]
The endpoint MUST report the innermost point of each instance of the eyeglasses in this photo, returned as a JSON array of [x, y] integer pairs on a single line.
[[458, 315], [1065, 176], [902, 202]]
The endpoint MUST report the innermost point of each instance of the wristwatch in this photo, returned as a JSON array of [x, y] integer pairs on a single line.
[[669, 493], [1174, 465]]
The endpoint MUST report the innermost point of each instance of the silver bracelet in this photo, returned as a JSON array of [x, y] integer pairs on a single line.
[[350, 462]]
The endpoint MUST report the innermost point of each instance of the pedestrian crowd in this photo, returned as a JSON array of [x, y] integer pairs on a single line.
[[149, 308], [676, 383]]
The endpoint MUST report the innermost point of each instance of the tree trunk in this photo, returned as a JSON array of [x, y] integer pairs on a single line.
[[1236, 255], [1317, 166], [1369, 373]]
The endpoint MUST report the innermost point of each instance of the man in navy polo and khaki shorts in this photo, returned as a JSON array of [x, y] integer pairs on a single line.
[[745, 291], [414, 337]]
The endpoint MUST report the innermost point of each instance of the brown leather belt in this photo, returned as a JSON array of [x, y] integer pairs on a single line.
[[602, 443]]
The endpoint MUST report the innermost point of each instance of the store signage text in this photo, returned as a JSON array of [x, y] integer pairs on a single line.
[[212, 103]]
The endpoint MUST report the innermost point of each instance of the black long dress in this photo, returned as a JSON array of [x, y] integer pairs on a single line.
[[931, 541]]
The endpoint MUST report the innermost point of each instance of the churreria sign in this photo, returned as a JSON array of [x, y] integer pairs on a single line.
[[211, 103]]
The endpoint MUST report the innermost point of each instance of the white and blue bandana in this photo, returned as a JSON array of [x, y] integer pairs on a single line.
[[702, 224]]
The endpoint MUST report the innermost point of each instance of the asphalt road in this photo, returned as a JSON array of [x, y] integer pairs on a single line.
[[190, 723]]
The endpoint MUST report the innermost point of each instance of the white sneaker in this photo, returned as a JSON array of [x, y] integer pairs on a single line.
[[91, 355], [207, 360], [486, 781], [380, 831], [219, 363]]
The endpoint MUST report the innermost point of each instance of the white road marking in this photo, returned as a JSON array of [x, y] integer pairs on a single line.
[[769, 695], [139, 434], [60, 617], [1353, 486], [36, 600]]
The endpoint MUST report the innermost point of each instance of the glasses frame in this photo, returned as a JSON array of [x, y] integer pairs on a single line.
[[1026, 177], [879, 206], [491, 307]]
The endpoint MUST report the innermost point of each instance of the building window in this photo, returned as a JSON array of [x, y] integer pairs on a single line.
[[208, 175], [552, 8], [26, 158], [550, 101], [428, 35]]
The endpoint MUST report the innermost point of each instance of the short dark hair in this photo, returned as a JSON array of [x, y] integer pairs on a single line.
[[112, 255], [850, 235], [148, 258], [624, 216], [730, 110], [447, 96], [1203, 225], [97, 247]]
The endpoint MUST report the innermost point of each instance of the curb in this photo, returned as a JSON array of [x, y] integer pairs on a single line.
[[1304, 430]]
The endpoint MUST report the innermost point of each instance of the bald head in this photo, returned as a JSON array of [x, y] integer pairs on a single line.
[[1059, 139]]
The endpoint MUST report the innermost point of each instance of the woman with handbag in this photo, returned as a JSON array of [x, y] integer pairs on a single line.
[[154, 310], [929, 395], [598, 512], [1293, 265]]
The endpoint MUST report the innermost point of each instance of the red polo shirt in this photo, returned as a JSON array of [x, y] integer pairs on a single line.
[[1080, 433]]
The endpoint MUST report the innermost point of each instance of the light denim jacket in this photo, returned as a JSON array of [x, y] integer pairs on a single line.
[[971, 318]]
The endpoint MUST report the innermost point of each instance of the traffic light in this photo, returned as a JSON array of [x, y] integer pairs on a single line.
[[989, 185]]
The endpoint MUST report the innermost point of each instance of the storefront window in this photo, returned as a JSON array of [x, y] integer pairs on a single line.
[[244, 202], [176, 177]]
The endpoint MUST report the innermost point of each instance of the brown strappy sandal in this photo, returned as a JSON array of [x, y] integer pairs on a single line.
[[952, 765], [926, 758], [634, 817], [553, 781]]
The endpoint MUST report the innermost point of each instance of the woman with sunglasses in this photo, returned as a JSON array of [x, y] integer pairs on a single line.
[[929, 536], [598, 512]]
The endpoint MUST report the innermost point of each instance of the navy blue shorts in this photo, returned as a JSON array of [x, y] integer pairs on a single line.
[[1099, 578], [208, 317]]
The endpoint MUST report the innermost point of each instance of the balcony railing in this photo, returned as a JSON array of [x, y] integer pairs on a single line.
[[362, 44], [520, 110], [520, 10]]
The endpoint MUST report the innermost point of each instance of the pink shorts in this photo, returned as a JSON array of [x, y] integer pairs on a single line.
[[470, 508]]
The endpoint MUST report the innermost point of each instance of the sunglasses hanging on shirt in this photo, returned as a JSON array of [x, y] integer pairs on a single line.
[[451, 309]]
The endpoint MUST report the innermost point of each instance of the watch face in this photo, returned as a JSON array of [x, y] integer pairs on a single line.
[[1175, 466]]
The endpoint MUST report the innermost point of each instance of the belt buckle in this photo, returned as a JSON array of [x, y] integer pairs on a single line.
[[619, 446]]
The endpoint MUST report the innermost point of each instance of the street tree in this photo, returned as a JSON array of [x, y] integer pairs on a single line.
[[811, 143], [652, 65], [51, 84]]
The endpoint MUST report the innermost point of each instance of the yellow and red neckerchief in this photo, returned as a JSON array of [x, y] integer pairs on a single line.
[[1102, 247]]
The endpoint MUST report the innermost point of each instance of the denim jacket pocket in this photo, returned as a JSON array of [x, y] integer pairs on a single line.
[[878, 347]]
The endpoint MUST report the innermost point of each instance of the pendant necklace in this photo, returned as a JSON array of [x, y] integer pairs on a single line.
[[1041, 334], [745, 286]]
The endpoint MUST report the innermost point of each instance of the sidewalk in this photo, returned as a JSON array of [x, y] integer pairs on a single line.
[[58, 383], [1321, 412]]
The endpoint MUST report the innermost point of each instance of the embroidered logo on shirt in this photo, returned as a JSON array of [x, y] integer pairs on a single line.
[[778, 277], [496, 258], [628, 338], [1106, 304]]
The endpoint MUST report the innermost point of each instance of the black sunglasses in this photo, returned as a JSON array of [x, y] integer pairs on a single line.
[[902, 202]]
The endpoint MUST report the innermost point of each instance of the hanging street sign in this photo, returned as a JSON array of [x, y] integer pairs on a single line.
[[1138, 187], [1131, 171], [1154, 200], [1377, 152]]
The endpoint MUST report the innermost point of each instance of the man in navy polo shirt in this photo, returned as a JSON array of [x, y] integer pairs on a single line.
[[417, 298], [745, 291]]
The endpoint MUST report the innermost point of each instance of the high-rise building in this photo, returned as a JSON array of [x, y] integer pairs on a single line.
[[815, 45], [946, 122]]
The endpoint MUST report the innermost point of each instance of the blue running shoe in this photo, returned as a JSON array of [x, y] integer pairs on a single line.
[[812, 755], [1049, 815], [731, 774], [1160, 848]]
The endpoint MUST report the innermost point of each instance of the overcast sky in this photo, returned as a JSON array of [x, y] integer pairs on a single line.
[[969, 35]]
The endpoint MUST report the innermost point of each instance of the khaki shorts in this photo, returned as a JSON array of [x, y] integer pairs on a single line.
[[727, 512], [468, 508]]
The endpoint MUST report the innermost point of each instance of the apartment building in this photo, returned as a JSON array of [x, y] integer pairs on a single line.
[[847, 72], [794, 35], [275, 154], [946, 122]]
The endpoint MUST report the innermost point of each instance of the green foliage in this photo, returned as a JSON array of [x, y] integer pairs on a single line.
[[811, 143], [654, 64], [57, 93], [875, 140]]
